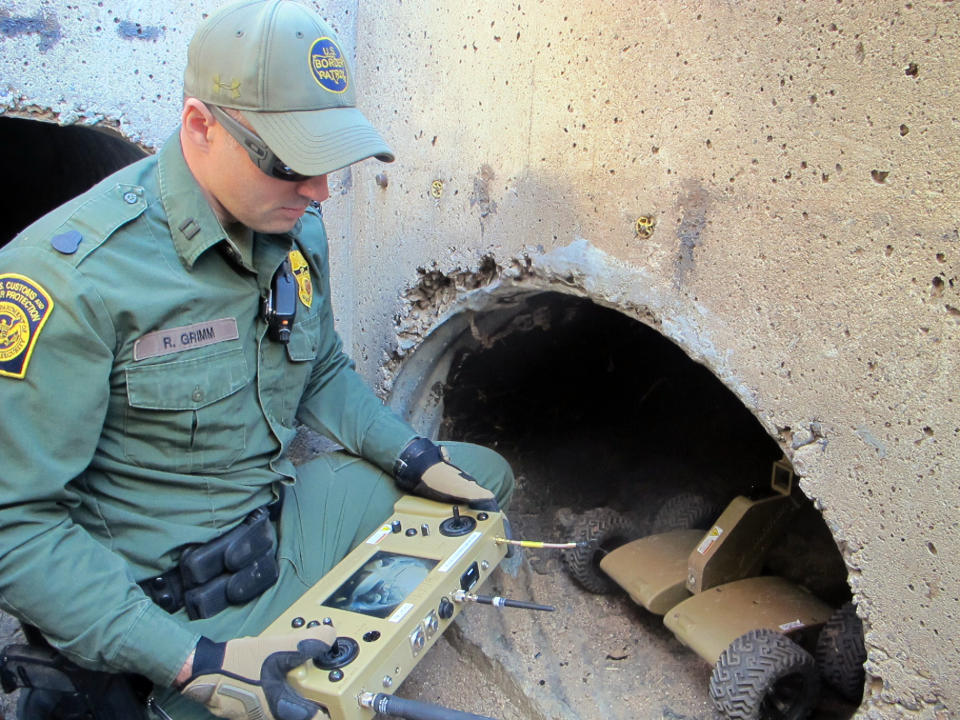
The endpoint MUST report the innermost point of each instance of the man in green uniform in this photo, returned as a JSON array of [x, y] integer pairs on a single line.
[[160, 336]]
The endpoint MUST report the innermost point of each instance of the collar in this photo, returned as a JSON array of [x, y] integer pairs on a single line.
[[240, 245], [193, 225]]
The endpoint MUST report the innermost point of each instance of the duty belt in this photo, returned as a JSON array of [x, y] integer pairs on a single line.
[[229, 570]]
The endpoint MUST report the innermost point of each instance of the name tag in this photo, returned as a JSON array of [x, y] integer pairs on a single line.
[[171, 340]]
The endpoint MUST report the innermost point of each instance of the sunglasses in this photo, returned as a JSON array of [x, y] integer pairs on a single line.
[[256, 148]]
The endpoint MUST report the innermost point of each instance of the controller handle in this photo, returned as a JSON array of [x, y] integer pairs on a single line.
[[413, 709]]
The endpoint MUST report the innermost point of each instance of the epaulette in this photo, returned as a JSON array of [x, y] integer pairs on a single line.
[[95, 219]]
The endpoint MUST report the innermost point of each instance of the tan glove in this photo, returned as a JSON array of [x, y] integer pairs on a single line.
[[425, 469], [246, 678]]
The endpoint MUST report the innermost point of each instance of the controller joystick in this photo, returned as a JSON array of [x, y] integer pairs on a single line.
[[457, 524], [341, 653]]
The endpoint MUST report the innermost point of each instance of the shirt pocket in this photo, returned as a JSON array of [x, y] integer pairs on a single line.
[[303, 343], [188, 415]]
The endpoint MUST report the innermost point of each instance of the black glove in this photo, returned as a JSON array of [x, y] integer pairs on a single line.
[[246, 678], [424, 469]]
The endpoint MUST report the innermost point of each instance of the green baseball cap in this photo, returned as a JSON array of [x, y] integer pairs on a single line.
[[282, 66]]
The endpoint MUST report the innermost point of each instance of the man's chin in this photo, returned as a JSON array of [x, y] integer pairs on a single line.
[[275, 226]]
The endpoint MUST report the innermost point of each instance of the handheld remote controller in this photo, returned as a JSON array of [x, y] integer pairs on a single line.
[[390, 599]]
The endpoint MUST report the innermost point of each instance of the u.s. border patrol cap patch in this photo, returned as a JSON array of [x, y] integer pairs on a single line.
[[24, 308], [328, 65]]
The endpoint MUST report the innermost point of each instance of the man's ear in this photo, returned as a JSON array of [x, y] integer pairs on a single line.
[[197, 123]]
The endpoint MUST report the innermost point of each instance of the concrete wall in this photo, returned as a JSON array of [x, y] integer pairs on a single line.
[[797, 157]]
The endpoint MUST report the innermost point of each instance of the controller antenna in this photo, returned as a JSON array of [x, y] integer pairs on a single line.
[[499, 602], [412, 709]]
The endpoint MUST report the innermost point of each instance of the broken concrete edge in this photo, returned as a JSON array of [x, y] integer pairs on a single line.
[[66, 114], [440, 307], [467, 640]]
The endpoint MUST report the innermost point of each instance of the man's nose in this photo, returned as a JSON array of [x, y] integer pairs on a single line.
[[315, 188]]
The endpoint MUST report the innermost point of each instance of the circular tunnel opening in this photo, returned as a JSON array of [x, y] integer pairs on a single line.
[[48, 164], [596, 411]]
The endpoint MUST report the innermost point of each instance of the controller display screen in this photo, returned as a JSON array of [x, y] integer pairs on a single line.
[[381, 584]]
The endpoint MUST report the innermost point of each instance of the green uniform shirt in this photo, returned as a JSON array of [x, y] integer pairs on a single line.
[[144, 406]]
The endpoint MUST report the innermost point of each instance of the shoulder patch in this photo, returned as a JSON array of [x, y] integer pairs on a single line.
[[24, 308]]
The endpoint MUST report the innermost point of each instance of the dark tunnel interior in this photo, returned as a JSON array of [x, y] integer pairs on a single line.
[[595, 409]]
